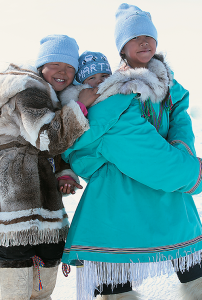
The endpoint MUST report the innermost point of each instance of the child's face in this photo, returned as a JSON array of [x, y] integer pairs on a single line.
[[59, 75], [139, 51], [96, 79]]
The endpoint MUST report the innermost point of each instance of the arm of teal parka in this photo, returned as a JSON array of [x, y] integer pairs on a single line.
[[119, 135], [180, 133]]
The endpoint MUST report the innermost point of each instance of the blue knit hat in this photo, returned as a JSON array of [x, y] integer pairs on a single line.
[[91, 63], [58, 48], [132, 22]]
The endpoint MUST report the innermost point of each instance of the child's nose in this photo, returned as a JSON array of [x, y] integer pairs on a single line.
[[143, 41], [99, 81], [62, 70]]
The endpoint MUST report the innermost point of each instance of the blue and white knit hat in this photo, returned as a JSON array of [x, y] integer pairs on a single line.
[[131, 22], [58, 48], [91, 63]]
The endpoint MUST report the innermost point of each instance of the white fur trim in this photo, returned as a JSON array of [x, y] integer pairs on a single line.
[[54, 98], [79, 114], [10, 86], [31, 224], [44, 141], [72, 93], [150, 83], [33, 232], [27, 77], [30, 130], [28, 66], [68, 172], [9, 216]]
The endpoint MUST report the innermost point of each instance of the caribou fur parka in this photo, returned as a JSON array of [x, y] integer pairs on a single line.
[[34, 129]]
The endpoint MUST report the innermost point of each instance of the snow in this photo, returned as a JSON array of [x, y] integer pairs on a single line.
[[158, 288]]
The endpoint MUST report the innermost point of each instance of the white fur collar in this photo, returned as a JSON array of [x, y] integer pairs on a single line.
[[150, 83]]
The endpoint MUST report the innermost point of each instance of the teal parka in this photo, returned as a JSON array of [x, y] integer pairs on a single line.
[[141, 167]]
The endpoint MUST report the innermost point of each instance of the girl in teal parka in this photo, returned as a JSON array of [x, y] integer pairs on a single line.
[[136, 217]]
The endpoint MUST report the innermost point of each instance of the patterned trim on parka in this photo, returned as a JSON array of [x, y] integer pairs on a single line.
[[133, 250]]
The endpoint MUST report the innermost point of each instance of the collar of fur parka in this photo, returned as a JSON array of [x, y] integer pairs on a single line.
[[16, 79], [152, 82]]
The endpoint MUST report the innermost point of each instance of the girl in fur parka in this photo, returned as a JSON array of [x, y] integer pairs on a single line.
[[34, 128], [136, 217]]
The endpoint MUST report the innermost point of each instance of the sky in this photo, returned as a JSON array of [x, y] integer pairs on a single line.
[[91, 22]]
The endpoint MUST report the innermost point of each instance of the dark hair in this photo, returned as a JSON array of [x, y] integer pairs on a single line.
[[40, 71], [123, 58]]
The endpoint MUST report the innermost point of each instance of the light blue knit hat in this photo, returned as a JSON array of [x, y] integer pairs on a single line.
[[58, 48], [91, 63], [131, 22]]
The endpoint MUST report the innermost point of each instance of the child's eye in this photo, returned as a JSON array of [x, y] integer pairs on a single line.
[[135, 38], [91, 77], [70, 67]]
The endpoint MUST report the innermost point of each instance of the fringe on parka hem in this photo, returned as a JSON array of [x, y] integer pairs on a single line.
[[92, 275]]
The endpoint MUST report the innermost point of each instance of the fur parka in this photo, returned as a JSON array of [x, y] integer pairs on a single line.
[[33, 129]]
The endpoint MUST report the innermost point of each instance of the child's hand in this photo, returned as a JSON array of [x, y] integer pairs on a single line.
[[88, 96], [68, 186]]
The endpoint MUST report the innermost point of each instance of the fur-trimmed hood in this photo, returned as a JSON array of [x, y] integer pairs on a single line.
[[16, 79], [28, 103], [152, 82]]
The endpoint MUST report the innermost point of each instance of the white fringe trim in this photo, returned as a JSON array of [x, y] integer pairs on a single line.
[[94, 274], [33, 236]]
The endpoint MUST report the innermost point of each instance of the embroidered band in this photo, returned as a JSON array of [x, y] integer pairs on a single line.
[[183, 143], [134, 250], [198, 180]]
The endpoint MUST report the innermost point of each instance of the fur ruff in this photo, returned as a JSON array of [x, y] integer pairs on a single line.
[[16, 79], [68, 172], [152, 83]]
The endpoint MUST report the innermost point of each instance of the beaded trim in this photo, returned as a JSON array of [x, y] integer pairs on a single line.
[[148, 112], [52, 163]]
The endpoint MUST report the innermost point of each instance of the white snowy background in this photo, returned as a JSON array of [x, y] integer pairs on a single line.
[[91, 22]]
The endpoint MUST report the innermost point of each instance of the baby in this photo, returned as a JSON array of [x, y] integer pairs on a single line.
[[93, 69]]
